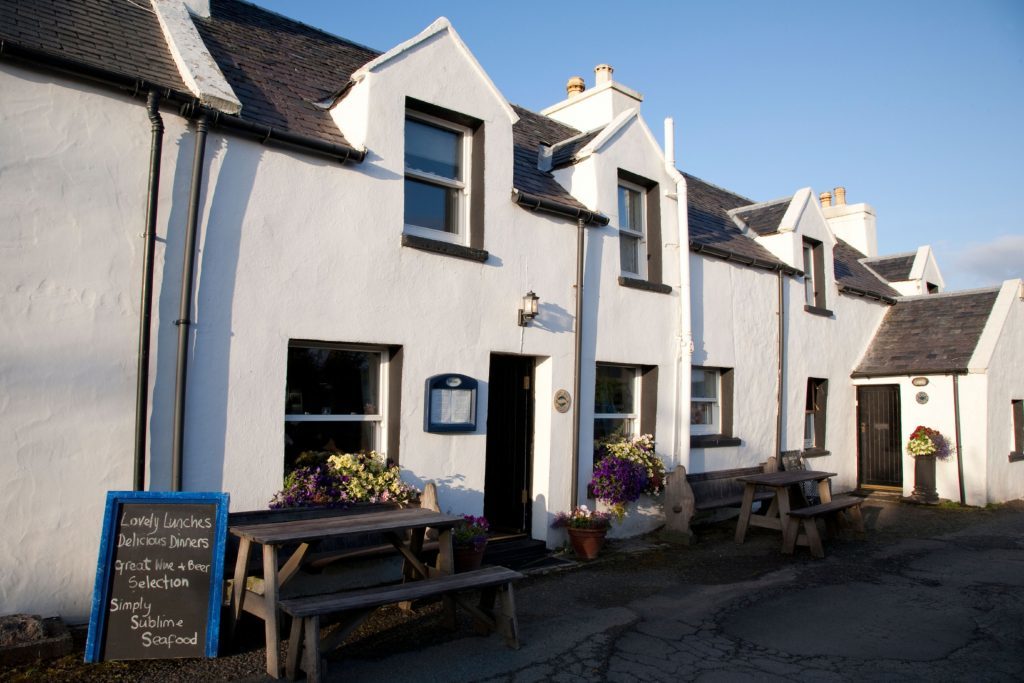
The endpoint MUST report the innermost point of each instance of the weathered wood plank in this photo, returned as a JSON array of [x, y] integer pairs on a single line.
[[827, 508], [372, 522]]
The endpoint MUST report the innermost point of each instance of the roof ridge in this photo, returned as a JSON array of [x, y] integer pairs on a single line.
[[292, 20], [947, 295], [761, 205], [902, 254], [717, 187]]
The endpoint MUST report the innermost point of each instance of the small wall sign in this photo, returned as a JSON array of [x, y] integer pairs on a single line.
[[563, 401], [922, 397], [919, 381], [159, 576], [450, 404]]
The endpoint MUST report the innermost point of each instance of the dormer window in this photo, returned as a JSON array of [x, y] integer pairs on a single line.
[[437, 157], [632, 244], [814, 277]]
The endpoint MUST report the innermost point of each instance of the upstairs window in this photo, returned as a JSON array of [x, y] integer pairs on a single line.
[[814, 274], [632, 243], [437, 155], [1018, 426]]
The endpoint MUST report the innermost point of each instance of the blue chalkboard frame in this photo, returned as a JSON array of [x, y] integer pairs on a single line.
[[101, 589]]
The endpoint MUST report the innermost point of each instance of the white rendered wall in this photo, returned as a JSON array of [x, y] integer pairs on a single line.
[[71, 250], [1005, 375]]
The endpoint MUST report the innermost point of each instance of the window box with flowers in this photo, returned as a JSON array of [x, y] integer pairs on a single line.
[[627, 475]]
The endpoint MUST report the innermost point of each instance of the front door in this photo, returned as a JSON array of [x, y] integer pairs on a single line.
[[509, 443], [879, 447]]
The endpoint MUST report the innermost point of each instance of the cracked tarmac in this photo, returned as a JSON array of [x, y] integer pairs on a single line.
[[932, 594]]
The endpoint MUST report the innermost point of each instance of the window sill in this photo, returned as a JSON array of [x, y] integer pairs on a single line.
[[635, 283], [1017, 456], [823, 312], [445, 248], [814, 452], [713, 441]]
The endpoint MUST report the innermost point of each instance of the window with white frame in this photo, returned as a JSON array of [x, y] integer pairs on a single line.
[[616, 401], [814, 413], [1017, 409], [334, 399], [705, 401], [437, 155], [632, 246]]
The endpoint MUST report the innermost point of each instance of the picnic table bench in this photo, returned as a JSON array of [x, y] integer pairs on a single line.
[[829, 511], [304, 641]]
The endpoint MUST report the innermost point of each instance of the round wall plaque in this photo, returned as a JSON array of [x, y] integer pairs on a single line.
[[922, 397], [563, 401], [919, 381]]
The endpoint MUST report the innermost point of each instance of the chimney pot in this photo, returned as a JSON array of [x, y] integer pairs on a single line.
[[826, 199], [840, 195], [603, 73], [575, 86]]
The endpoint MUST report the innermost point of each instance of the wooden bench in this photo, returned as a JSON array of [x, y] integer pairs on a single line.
[[830, 513], [719, 489], [354, 606]]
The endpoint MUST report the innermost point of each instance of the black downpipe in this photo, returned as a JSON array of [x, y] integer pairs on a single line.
[[577, 362], [146, 302], [185, 307]]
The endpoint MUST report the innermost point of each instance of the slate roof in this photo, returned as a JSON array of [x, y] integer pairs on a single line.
[[563, 156], [764, 220], [712, 229], [895, 268], [853, 278], [117, 36], [931, 334], [528, 133]]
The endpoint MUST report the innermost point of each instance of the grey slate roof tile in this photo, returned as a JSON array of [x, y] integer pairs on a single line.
[[895, 268], [563, 156], [118, 36], [851, 274], [528, 133], [764, 220], [712, 226], [929, 334]]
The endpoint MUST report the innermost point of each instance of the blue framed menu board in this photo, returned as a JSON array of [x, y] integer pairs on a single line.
[[159, 576], [451, 403]]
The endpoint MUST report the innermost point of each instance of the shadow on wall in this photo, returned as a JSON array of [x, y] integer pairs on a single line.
[[553, 318], [452, 494], [216, 269]]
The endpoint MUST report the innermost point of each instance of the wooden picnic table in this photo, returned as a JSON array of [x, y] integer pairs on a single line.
[[393, 524], [777, 516]]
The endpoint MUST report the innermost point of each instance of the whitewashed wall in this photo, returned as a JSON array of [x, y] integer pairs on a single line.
[[1005, 480]]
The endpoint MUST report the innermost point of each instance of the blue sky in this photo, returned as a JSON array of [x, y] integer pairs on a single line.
[[915, 107]]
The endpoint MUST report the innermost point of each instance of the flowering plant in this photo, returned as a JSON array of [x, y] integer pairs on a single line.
[[639, 449], [582, 518], [926, 441], [344, 478], [473, 532], [618, 481]]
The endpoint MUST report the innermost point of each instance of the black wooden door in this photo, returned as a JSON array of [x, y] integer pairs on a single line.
[[509, 443], [879, 447]]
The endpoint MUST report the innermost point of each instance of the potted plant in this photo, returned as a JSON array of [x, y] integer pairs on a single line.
[[926, 446], [586, 528], [469, 541], [624, 469], [341, 479]]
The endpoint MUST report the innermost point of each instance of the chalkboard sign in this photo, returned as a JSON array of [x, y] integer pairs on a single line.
[[159, 576]]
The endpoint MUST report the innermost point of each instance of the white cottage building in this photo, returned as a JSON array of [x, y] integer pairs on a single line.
[[230, 237]]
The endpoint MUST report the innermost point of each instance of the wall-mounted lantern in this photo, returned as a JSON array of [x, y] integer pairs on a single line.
[[528, 308]]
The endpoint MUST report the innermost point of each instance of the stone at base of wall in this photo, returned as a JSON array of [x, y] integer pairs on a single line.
[[642, 516], [27, 638]]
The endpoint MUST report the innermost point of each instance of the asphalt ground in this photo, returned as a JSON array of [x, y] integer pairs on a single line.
[[933, 593]]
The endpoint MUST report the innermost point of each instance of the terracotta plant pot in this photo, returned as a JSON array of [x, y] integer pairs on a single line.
[[587, 543], [468, 557]]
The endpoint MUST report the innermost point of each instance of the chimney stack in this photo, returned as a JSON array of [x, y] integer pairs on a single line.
[[826, 199], [575, 86], [602, 74], [840, 196]]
